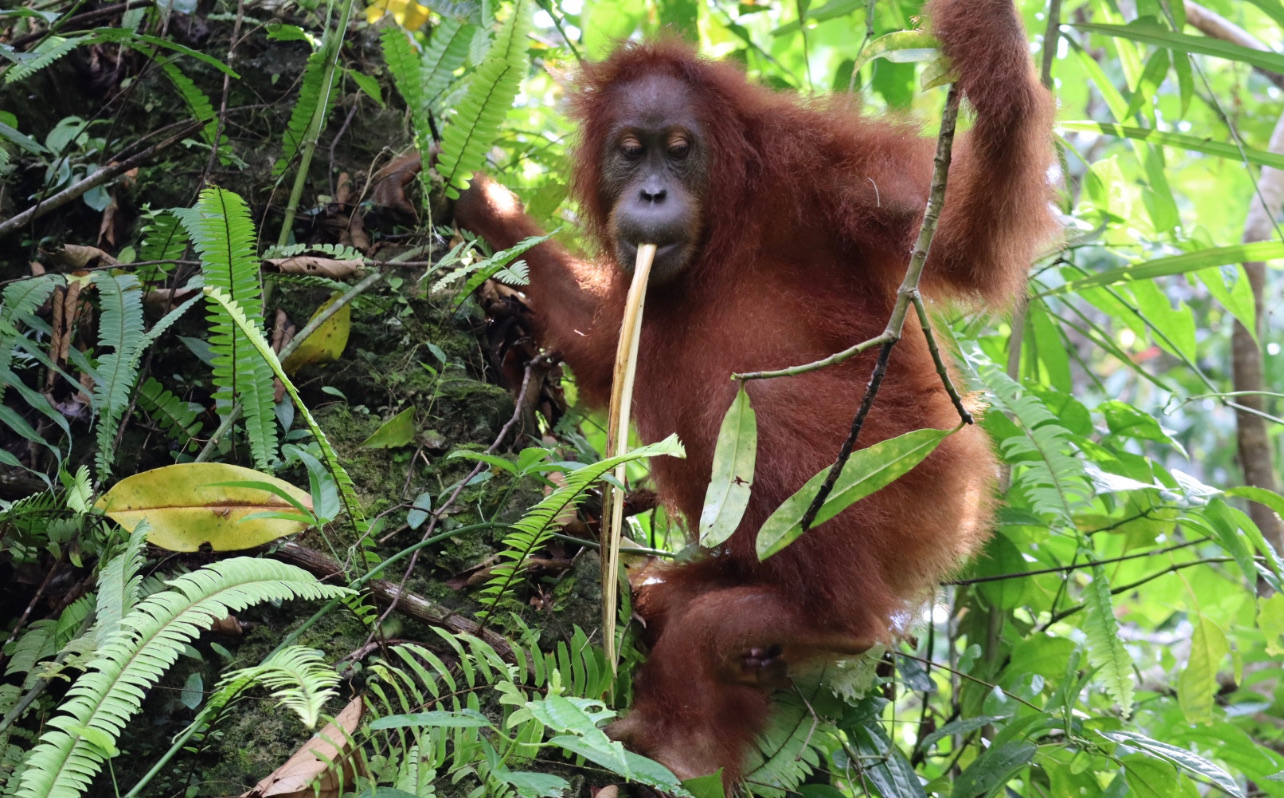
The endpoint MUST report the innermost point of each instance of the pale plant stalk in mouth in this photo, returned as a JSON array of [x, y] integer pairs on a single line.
[[617, 442]]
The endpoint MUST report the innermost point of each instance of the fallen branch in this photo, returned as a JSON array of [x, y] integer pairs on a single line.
[[389, 593]]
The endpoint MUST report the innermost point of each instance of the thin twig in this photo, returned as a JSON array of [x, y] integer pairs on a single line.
[[906, 295], [967, 676], [1114, 591], [1075, 566], [941, 370]]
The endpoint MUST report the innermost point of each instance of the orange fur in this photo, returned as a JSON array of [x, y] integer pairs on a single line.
[[809, 218]]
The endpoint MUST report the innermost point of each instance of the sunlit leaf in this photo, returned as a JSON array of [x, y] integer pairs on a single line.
[[187, 508]]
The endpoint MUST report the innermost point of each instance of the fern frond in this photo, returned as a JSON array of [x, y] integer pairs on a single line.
[[29, 512], [45, 53], [35, 643], [446, 53], [300, 678], [222, 232], [196, 101], [532, 532], [17, 303], [336, 251], [119, 583], [491, 92], [120, 328], [254, 335], [177, 417], [163, 238], [486, 268], [399, 53], [1106, 651], [1054, 481], [149, 641], [305, 108]]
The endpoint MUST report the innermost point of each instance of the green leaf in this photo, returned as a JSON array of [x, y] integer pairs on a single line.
[[1150, 33], [305, 107], [393, 433], [532, 531], [993, 769], [1197, 683], [1176, 264], [1148, 777], [1186, 760], [1001, 556], [1203, 144], [866, 471], [733, 466]]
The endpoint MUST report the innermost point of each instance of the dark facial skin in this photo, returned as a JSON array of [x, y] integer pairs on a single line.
[[655, 170]]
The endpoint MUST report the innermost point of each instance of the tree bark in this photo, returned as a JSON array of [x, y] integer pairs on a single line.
[[1255, 456]]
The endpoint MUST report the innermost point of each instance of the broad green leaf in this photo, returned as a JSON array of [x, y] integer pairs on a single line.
[[1187, 760], [326, 343], [868, 470], [1270, 619], [1148, 777], [186, 508], [993, 768], [733, 466], [1269, 498], [1238, 298], [1197, 683], [710, 786], [607, 22], [1183, 141], [1176, 264], [396, 431], [1002, 557]]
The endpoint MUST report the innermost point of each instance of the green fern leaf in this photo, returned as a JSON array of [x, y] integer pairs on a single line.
[[305, 108], [299, 677], [446, 53], [17, 303], [120, 328], [336, 251], [197, 102], [1106, 651], [532, 532], [254, 335], [163, 239], [119, 583], [1054, 481], [491, 92], [178, 418], [45, 53], [222, 232], [149, 641], [400, 55]]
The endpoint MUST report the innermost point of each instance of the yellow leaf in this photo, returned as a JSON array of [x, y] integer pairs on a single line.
[[409, 14], [186, 506], [326, 343]]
